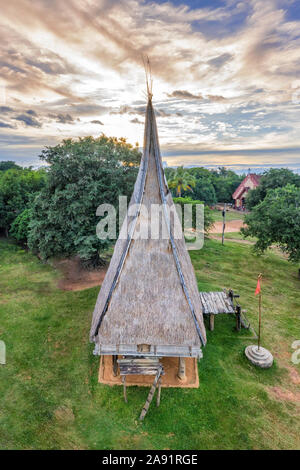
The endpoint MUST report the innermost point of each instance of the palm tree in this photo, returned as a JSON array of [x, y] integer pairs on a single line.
[[182, 180]]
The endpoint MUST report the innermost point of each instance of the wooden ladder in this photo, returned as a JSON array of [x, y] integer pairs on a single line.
[[157, 381], [142, 366]]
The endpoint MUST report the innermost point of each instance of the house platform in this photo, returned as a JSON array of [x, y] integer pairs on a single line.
[[169, 379]]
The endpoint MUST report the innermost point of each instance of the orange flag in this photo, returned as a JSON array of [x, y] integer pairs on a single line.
[[257, 290]]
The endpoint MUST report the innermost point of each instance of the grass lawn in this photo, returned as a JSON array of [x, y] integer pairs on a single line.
[[50, 398], [236, 236], [230, 215]]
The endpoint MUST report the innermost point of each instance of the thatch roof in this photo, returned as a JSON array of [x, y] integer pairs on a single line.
[[149, 294]]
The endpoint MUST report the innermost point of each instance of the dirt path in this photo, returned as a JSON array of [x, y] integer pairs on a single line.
[[74, 277], [231, 226]]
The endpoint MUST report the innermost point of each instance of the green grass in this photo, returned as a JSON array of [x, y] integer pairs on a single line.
[[235, 236], [238, 236], [50, 397], [230, 215]]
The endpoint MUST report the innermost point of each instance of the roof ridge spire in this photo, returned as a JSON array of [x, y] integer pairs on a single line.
[[148, 73]]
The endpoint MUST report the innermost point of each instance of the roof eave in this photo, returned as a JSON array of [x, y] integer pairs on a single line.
[[155, 350]]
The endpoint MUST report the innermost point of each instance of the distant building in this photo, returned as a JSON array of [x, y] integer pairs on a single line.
[[250, 182]]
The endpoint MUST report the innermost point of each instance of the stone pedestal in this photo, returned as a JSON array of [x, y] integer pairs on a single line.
[[259, 357]]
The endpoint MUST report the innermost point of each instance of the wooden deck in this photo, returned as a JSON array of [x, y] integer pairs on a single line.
[[215, 303]]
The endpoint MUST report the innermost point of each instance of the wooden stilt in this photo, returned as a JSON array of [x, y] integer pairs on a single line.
[[181, 369], [115, 365], [211, 322], [238, 317], [124, 388], [158, 392], [150, 396]]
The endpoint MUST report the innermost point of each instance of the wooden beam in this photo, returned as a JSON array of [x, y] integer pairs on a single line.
[[158, 393], [115, 365], [181, 368], [124, 388], [211, 322]]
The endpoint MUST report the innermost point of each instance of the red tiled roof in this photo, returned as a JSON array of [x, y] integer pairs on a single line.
[[240, 189]]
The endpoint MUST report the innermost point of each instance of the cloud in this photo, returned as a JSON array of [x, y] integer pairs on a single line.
[[6, 125], [220, 60], [236, 64], [62, 118], [216, 98], [28, 120], [185, 95], [5, 109], [96, 121], [136, 121], [31, 112]]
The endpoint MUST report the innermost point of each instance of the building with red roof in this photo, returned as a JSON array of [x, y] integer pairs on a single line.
[[250, 182]]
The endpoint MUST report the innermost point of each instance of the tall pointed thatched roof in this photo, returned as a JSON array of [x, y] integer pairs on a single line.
[[149, 294]]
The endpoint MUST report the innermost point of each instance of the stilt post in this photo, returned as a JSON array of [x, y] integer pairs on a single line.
[[181, 369], [211, 322]]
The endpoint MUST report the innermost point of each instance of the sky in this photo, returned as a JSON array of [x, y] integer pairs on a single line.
[[226, 81]]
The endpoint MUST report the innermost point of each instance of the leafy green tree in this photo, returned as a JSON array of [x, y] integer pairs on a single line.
[[169, 172], [17, 188], [205, 191], [82, 174], [182, 181], [8, 165], [271, 179], [225, 183], [20, 226], [276, 220]]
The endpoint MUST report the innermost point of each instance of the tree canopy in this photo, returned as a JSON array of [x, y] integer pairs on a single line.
[[17, 189], [276, 220], [82, 174], [8, 164], [182, 181], [209, 186], [271, 179]]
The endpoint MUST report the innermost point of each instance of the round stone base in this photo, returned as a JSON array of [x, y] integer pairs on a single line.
[[259, 357]]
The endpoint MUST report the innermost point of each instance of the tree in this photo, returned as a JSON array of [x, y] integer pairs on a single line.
[[182, 181], [17, 188], [276, 220], [205, 191], [225, 183], [8, 165], [20, 226], [83, 174], [271, 179]]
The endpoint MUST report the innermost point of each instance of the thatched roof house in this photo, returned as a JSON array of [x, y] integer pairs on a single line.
[[149, 300]]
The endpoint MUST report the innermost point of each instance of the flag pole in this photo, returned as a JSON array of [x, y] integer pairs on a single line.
[[259, 313], [258, 355], [224, 223]]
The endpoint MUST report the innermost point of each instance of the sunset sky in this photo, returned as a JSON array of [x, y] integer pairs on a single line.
[[226, 77]]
